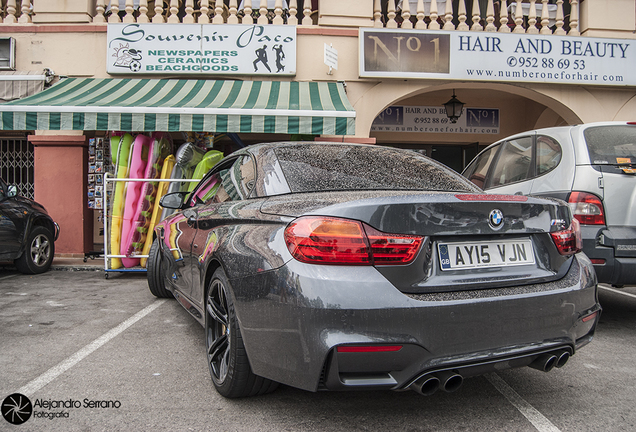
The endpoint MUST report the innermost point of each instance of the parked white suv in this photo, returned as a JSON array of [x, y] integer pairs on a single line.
[[592, 167]]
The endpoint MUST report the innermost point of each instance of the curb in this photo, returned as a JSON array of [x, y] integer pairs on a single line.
[[75, 268]]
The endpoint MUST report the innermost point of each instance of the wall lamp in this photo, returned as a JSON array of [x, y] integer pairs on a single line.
[[454, 108]]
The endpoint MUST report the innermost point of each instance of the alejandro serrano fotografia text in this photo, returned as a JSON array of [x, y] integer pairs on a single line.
[[68, 404], [75, 403]]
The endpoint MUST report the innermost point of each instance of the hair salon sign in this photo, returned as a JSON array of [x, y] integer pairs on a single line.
[[201, 49], [500, 57]]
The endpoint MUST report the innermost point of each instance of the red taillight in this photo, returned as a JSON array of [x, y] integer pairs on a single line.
[[587, 208], [322, 240], [568, 241], [368, 348], [328, 240], [389, 249]]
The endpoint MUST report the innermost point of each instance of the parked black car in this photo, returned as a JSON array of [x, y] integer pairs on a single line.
[[342, 267], [27, 232]]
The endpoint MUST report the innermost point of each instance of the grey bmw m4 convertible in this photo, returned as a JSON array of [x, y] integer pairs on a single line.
[[341, 267]]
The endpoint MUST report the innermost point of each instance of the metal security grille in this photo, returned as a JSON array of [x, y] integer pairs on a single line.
[[16, 164]]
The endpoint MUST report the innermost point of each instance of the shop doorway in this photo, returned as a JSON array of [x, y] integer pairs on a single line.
[[455, 156], [16, 164]]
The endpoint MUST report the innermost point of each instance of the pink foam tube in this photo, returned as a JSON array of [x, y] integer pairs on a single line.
[[138, 162]]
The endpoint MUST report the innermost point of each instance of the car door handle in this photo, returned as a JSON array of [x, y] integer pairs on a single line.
[[191, 221]]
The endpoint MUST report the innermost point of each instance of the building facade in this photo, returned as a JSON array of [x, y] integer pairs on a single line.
[[515, 65]]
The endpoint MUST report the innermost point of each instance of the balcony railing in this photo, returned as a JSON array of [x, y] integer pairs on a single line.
[[517, 16], [558, 17]]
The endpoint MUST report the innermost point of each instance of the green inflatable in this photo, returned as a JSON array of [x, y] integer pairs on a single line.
[[210, 159]]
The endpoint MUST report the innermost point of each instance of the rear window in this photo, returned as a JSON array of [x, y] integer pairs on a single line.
[[313, 168], [611, 144]]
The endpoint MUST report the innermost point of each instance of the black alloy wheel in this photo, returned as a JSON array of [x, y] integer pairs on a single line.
[[218, 331], [227, 360], [39, 252], [156, 281]]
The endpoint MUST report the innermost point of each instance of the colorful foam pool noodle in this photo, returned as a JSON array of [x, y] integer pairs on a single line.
[[115, 138], [138, 161], [210, 159], [160, 147], [121, 162], [166, 170], [188, 156]]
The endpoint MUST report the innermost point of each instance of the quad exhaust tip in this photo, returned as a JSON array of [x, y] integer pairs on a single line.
[[547, 362], [426, 385], [448, 381], [562, 359]]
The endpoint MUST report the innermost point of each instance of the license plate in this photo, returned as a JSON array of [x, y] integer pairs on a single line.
[[499, 253]]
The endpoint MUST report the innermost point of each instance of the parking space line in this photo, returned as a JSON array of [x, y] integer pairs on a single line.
[[538, 420], [71, 361], [617, 291]]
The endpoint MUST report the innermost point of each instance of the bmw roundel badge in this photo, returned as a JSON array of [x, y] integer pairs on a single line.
[[495, 219]]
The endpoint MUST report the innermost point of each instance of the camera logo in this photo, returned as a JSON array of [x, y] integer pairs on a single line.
[[16, 408]]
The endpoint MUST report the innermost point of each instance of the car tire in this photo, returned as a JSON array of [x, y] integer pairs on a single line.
[[38, 253], [227, 359], [156, 281]]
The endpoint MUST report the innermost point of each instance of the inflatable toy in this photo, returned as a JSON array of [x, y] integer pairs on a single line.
[[121, 162], [115, 138], [160, 148], [187, 158], [166, 170], [138, 161], [210, 159]]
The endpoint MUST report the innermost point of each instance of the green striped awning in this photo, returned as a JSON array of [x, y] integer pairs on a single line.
[[171, 105]]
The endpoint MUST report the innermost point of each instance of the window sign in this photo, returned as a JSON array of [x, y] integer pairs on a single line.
[[426, 119], [500, 57], [201, 49]]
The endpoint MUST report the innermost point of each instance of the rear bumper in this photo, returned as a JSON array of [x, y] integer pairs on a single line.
[[336, 376], [616, 246], [293, 320]]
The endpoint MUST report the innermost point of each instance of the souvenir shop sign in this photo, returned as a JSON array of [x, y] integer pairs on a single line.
[[432, 119], [500, 57], [201, 49]]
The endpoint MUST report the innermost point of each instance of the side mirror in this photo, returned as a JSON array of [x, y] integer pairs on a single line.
[[12, 191], [173, 200]]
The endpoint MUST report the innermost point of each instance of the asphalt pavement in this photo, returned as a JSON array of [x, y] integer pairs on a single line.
[[96, 354]]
